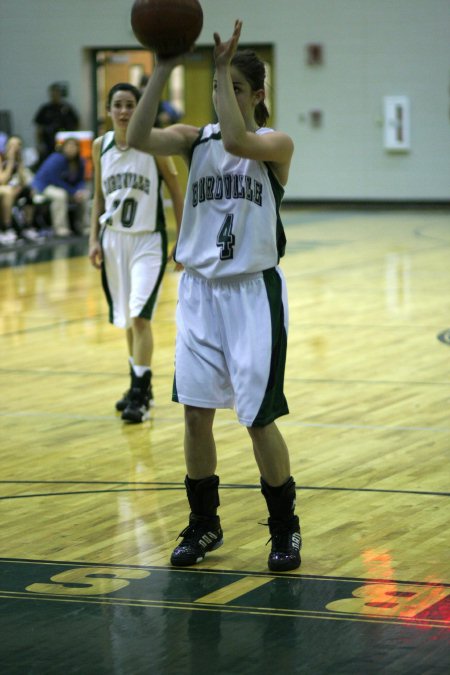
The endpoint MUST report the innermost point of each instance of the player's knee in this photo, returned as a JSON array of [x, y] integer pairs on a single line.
[[197, 419], [259, 433], [139, 324]]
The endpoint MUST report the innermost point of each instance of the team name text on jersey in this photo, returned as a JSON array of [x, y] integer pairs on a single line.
[[227, 186], [126, 180]]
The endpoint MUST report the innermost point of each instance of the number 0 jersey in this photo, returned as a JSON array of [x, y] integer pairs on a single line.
[[231, 223], [132, 189]]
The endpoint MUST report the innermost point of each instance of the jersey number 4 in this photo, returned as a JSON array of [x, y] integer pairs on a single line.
[[226, 238]]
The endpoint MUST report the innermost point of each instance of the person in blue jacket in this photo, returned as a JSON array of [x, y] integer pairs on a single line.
[[61, 178]]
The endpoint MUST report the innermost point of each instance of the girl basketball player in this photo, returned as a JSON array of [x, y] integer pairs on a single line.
[[128, 240], [232, 310]]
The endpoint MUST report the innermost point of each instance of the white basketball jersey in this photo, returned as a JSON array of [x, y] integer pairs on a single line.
[[231, 223], [131, 188]]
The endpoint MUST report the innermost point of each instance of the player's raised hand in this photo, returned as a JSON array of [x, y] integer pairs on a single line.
[[224, 51]]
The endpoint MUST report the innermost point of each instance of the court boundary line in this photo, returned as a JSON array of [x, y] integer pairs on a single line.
[[152, 486]]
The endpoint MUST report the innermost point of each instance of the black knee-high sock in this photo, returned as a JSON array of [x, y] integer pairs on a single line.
[[280, 500], [203, 495]]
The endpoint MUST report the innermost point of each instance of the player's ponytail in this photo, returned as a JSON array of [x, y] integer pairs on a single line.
[[261, 114]]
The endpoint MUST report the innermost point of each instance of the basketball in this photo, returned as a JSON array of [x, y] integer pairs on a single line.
[[167, 27]]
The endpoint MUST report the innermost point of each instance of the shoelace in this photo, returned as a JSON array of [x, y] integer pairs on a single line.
[[282, 538], [190, 532], [193, 531]]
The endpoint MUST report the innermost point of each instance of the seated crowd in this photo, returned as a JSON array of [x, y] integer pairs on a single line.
[[53, 198], [51, 201]]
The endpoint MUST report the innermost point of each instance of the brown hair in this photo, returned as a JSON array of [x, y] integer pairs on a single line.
[[252, 68], [123, 86]]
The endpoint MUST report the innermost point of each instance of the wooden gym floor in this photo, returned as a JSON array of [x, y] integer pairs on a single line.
[[90, 508]]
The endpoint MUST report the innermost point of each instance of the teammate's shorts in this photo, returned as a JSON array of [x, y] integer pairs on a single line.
[[231, 345], [132, 271]]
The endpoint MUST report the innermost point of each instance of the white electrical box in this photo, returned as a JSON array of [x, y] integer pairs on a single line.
[[397, 124]]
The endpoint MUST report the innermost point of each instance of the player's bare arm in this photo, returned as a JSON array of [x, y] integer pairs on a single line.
[[169, 174], [235, 101], [95, 251], [141, 134]]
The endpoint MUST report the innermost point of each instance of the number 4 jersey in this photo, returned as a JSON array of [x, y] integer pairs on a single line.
[[231, 221], [131, 188]]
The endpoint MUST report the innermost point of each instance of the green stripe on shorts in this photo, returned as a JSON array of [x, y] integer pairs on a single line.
[[147, 310], [274, 403], [105, 285]]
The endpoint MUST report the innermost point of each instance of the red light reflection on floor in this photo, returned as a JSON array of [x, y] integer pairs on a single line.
[[427, 600]]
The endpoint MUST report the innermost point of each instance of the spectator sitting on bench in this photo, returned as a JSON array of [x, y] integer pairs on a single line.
[[61, 178]]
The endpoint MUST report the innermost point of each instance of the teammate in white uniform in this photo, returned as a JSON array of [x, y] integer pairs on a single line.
[[128, 240], [232, 309]]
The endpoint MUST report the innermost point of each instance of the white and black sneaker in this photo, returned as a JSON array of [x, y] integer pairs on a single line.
[[123, 402], [137, 409], [286, 544], [203, 534]]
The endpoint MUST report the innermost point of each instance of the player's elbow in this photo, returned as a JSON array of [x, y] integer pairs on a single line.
[[233, 145]]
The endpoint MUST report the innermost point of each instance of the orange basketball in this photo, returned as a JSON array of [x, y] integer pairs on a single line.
[[167, 27]]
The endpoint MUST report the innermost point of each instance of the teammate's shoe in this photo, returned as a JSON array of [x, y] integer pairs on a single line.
[[151, 400], [286, 544], [122, 403], [203, 534], [137, 409]]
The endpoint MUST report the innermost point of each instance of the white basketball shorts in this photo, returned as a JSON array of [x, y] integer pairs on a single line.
[[231, 345], [133, 268]]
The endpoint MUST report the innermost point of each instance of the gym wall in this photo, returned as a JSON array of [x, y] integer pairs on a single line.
[[365, 50]]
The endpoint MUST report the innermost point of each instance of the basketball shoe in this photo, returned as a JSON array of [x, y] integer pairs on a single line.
[[203, 534], [286, 544], [137, 409], [122, 403], [284, 526]]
